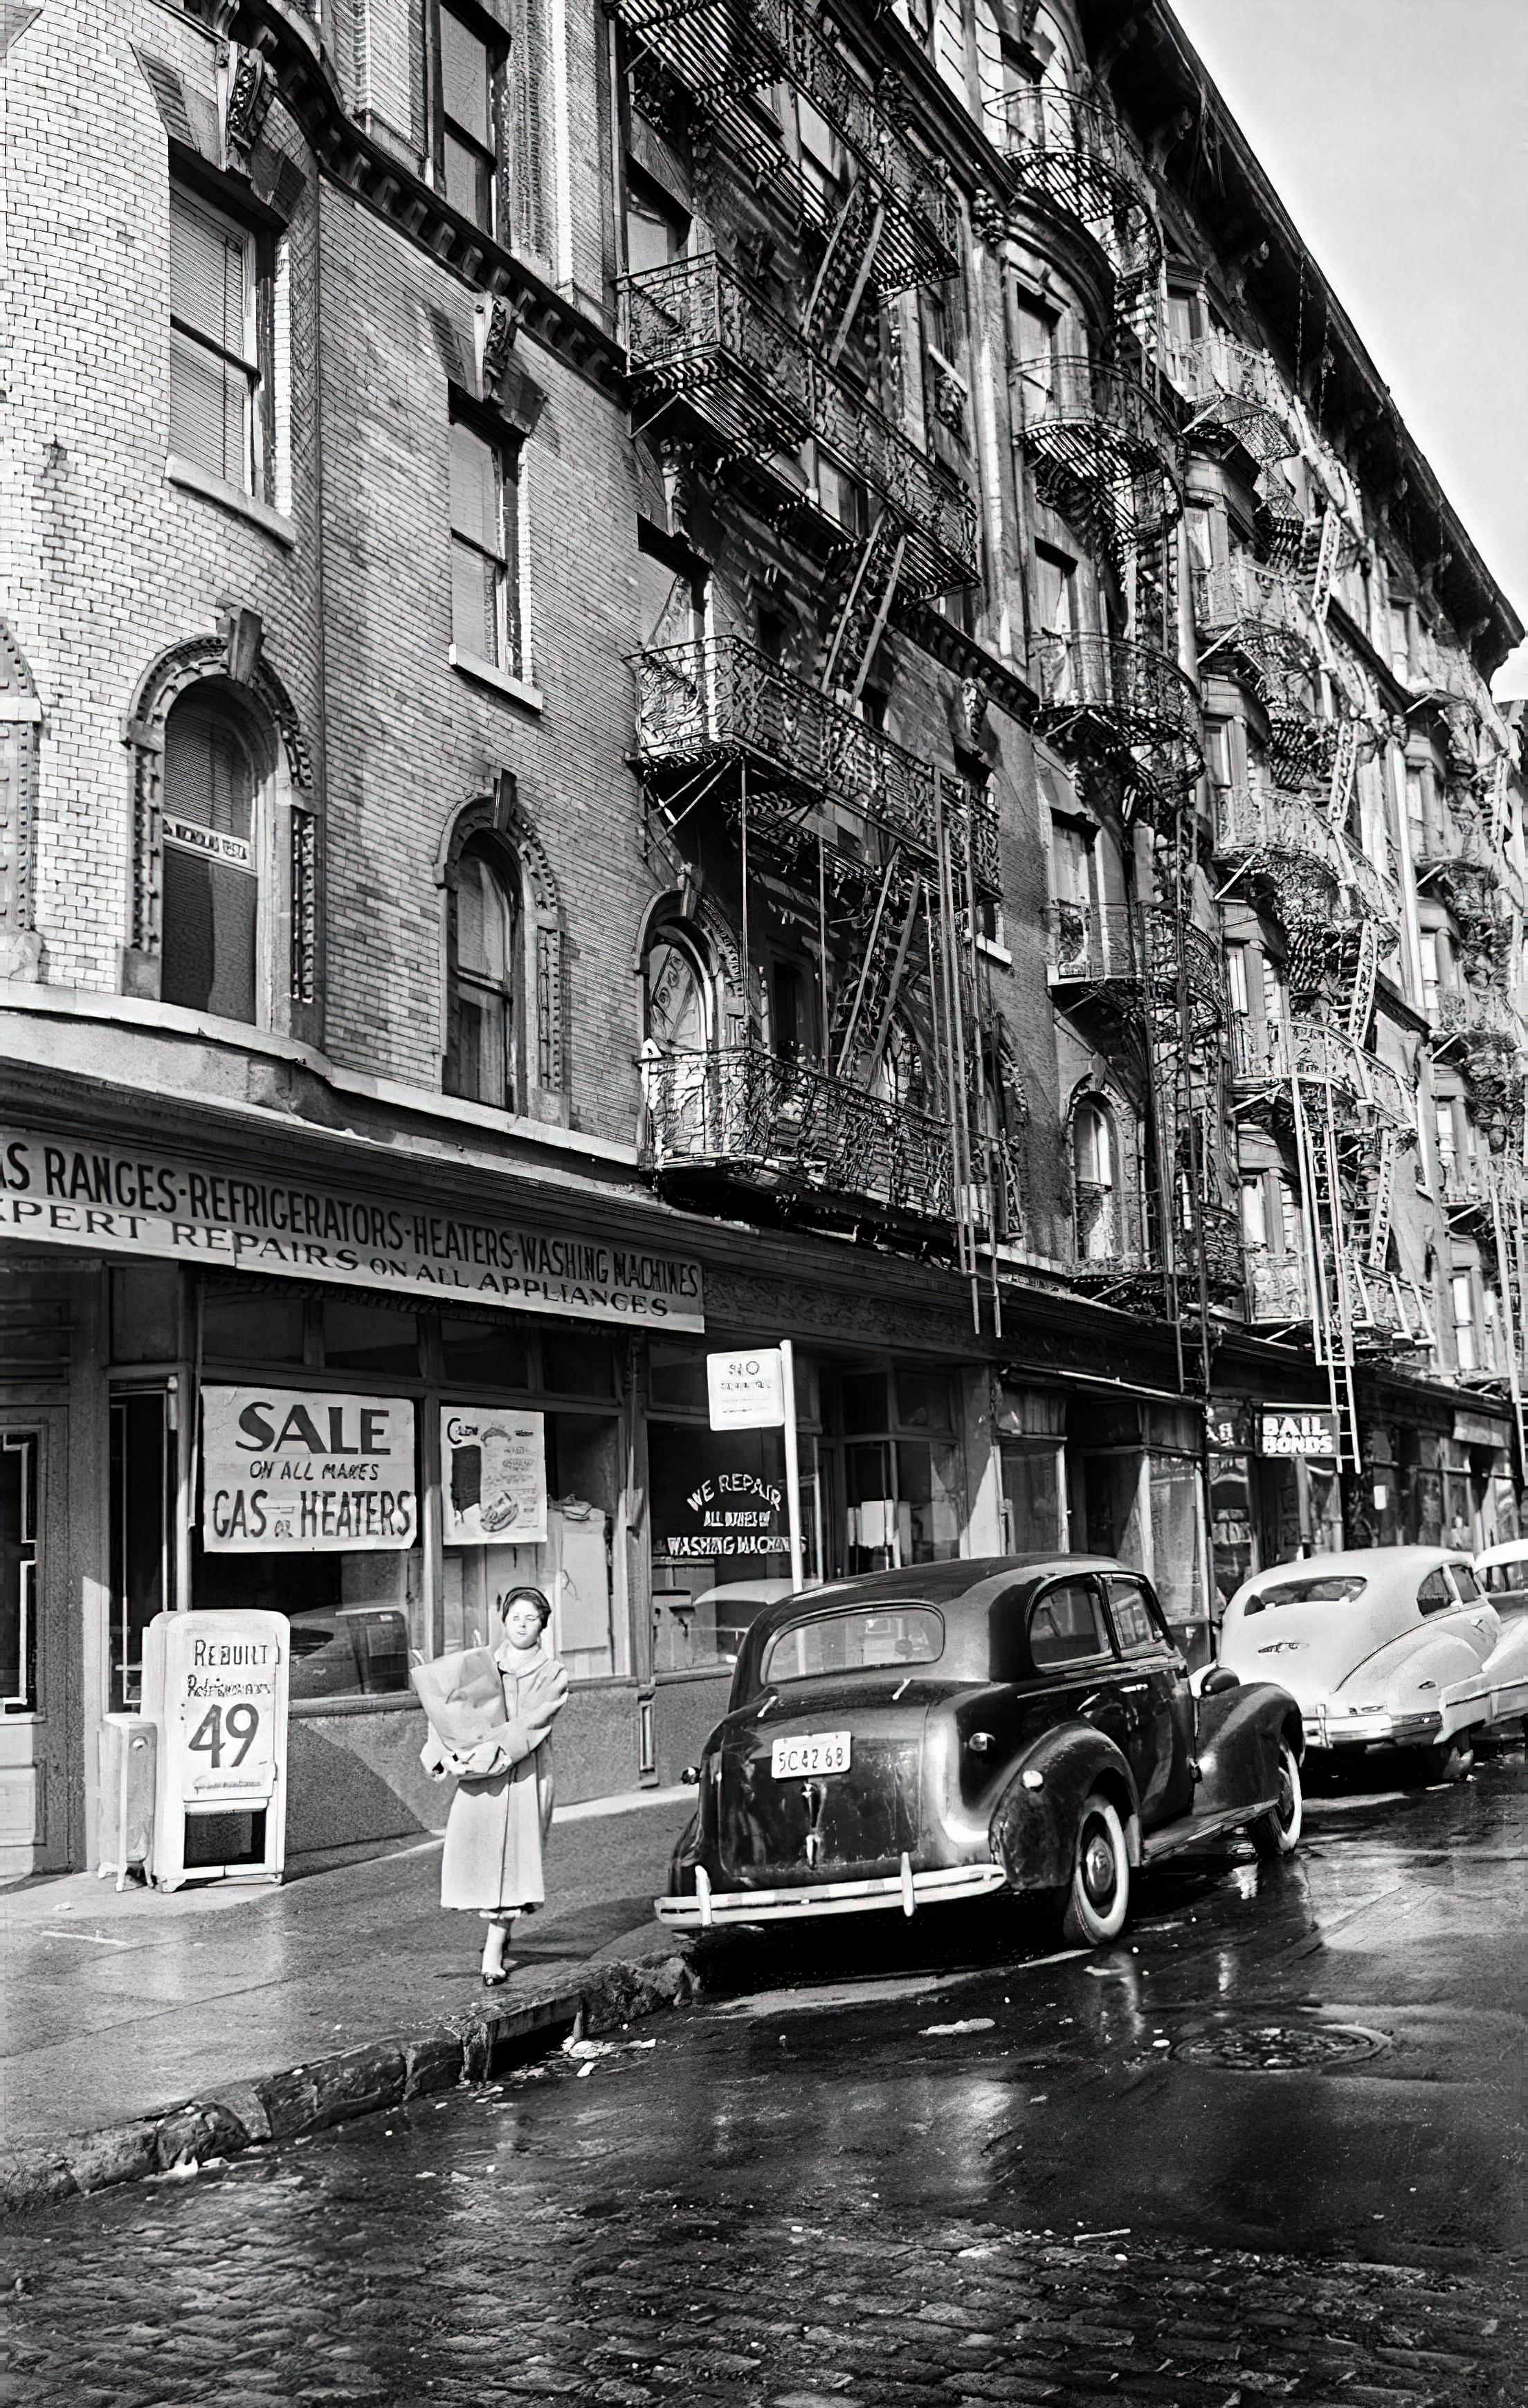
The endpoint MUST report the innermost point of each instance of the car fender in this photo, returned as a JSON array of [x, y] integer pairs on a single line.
[[1238, 1739], [1034, 1826]]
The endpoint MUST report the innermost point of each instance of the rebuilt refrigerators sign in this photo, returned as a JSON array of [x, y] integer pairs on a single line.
[[114, 1200], [1297, 1429], [298, 1473]]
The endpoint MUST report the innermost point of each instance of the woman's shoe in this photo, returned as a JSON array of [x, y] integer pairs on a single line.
[[497, 1980]]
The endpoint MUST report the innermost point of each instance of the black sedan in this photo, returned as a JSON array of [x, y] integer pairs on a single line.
[[1020, 1724]]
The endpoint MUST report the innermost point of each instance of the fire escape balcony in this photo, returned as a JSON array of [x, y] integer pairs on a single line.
[[1076, 158], [1471, 1016], [1235, 394], [1387, 1311], [817, 1145], [696, 333], [1118, 1245], [1466, 1186], [1102, 693], [727, 53], [722, 702], [1362, 1087], [1102, 449], [1104, 947], [1263, 829]]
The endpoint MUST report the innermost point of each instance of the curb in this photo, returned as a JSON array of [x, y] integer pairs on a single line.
[[455, 2052]]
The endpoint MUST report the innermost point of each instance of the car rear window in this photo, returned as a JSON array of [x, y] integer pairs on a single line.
[[1507, 1580], [1466, 1584], [1322, 1588], [856, 1641]]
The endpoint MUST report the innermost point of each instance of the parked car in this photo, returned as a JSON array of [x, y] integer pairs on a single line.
[[1022, 1724], [1503, 1573], [1385, 1647]]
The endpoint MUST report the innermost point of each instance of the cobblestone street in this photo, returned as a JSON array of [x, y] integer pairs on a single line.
[[1057, 2178]]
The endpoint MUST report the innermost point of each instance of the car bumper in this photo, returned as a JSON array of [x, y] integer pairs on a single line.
[[711, 1909], [1372, 1730]]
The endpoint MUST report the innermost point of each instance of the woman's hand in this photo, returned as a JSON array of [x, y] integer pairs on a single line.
[[480, 1762]]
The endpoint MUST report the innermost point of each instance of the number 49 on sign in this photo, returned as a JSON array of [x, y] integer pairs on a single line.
[[215, 1731]]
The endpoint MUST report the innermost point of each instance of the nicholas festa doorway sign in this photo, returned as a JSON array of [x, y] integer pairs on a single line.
[[298, 1472]]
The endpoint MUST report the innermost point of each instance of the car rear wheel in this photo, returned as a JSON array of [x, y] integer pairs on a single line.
[[1451, 1762], [1098, 1895], [1276, 1833]]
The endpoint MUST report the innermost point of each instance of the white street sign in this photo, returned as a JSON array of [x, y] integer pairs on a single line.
[[747, 1389]]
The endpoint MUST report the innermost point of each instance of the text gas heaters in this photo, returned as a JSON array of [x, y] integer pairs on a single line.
[[296, 1471], [116, 1200]]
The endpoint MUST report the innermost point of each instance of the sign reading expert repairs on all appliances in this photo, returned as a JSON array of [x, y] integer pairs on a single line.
[[117, 1199], [299, 1472]]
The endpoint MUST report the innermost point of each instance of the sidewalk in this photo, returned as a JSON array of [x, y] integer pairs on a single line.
[[117, 2009]]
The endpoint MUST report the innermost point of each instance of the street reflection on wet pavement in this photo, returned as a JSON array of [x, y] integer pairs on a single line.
[[1266, 2147]]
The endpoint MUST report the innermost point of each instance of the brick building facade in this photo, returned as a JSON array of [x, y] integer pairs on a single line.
[[678, 676]]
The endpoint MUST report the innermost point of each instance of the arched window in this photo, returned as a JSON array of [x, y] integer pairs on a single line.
[[214, 769], [675, 995], [1095, 1181], [484, 1012]]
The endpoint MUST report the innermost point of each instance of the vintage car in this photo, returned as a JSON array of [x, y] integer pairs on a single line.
[[1385, 1647], [1503, 1573], [1022, 1724]]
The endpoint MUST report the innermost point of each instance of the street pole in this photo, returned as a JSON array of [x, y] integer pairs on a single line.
[[793, 1484]]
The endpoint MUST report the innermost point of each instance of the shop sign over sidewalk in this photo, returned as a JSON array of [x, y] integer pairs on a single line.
[[299, 1472], [116, 1200]]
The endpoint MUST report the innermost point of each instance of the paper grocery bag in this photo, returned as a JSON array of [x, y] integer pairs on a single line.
[[463, 1696]]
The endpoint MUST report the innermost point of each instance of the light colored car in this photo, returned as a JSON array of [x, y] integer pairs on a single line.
[[1385, 1647], [1503, 1573]]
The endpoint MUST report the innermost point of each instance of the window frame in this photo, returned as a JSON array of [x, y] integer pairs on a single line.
[[500, 865], [484, 29], [259, 478], [1160, 1642], [26, 1444], [507, 448], [1106, 1655]]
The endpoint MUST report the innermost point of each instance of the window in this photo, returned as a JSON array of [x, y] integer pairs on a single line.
[[484, 549], [18, 1567], [1055, 593], [1097, 1219], [1428, 947], [675, 997], [216, 385], [1462, 1297], [892, 1634], [1254, 1213], [1034, 335], [482, 1031], [1434, 1595], [1237, 992], [670, 592], [211, 887], [657, 228], [466, 147], [1129, 1611], [1443, 1120], [793, 1017], [142, 1500], [1066, 1627]]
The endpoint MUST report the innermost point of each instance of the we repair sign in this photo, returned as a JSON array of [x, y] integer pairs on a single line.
[[291, 1471]]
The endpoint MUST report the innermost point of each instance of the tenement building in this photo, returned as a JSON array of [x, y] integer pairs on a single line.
[[677, 674]]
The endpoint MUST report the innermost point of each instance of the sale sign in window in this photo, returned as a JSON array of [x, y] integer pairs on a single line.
[[300, 1471]]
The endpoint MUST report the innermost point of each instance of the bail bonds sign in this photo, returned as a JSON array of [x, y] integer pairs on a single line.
[[299, 1472], [134, 1200]]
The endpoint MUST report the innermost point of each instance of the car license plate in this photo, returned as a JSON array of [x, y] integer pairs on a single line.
[[813, 1752]]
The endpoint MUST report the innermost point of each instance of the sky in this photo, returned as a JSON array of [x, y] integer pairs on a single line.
[[1396, 133]]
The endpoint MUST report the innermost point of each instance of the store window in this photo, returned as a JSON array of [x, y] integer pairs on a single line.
[[902, 1488], [18, 1570], [214, 766], [142, 1490]]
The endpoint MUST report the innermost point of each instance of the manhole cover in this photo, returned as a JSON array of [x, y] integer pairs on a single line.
[[1282, 2048]]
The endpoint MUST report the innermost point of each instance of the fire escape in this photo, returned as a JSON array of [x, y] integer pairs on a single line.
[[885, 862], [1101, 443]]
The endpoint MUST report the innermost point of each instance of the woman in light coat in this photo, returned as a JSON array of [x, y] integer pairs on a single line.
[[502, 1811]]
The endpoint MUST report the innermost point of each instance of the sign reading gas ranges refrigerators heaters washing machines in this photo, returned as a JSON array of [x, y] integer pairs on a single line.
[[298, 1471], [124, 1200]]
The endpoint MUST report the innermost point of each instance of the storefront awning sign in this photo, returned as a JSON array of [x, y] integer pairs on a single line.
[[1297, 1429], [304, 1473], [122, 1200], [747, 1389]]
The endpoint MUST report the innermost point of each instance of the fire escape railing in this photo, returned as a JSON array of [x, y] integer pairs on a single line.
[[1265, 1057], [1261, 827], [1102, 449], [696, 331], [1237, 391], [1063, 151]]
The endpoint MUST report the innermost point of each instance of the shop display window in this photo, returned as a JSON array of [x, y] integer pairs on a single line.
[[267, 1328], [145, 1312], [1175, 1552], [483, 1353], [1032, 1497], [142, 1513], [573, 1566], [368, 1338]]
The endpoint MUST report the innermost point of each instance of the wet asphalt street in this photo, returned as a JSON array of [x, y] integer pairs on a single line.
[[1267, 2148]]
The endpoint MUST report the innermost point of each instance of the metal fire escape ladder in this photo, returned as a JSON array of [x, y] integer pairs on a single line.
[[866, 606], [1372, 1223], [1365, 973], [834, 301], [881, 967], [1332, 1311], [1507, 1223], [1329, 552]]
